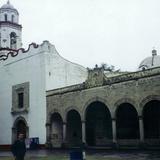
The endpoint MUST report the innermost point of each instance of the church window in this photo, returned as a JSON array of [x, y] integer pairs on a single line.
[[5, 17], [12, 18], [20, 100], [13, 40]]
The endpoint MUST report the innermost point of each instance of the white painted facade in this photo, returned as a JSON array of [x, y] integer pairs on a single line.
[[44, 69], [61, 72]]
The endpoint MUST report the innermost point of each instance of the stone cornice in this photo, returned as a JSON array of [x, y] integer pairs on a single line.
[[9, 10], [8, 23], [17, 112], [66, 89], [133, 76], [108, 81]]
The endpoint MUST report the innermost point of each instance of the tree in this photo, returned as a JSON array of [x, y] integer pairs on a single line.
[[110, 68]]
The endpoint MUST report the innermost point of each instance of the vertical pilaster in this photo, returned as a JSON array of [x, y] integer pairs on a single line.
[[141, 128], [64, 132], [114, 131], [84, 132]]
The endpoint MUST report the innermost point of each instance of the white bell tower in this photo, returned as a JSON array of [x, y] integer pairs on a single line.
[[10, 29]]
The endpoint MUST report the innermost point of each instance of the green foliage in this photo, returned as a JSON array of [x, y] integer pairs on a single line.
[[106, 67]]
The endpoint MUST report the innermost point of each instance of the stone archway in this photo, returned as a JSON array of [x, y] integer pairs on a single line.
[[98, 124], [56, 132], [74, 128], [151, 119], [20, 126], [127, 122]]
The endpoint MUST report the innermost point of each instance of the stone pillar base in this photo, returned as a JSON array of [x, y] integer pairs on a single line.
[[115, 145], [64, 145], [83, 146], [142, 145]]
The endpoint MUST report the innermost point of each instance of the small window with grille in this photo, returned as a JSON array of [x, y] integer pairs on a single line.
[[20, 100]]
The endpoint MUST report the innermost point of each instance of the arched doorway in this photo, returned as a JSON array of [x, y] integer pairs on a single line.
[[20, 126], [98, 125], [127, 122], [74, 128], [151, 115], [56, 130]]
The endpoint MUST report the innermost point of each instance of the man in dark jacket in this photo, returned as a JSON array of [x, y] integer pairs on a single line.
[[18, 148]]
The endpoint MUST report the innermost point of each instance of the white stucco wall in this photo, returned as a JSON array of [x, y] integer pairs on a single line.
[[61, 72], [26, 67], [44, 69]]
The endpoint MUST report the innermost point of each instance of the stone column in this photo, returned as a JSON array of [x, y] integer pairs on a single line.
[[84, 132], [141, 128], [114, 132], [64, 132]]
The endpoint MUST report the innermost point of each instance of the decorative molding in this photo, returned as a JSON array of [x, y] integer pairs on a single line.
[[19, 111], [16, 89], [14, 53], [52, 112], [8, 23], [96, 78], [133, 76], [110, 81], [148, 99], [20, 118], [71, 108], [9, 10]]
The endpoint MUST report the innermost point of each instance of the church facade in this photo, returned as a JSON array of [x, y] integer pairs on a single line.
[[64, 104], [26, 75]]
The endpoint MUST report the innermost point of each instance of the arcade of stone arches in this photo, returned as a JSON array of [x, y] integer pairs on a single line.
[[101, 127]]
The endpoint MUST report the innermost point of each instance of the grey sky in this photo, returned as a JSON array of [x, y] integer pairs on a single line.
[[89, 32]]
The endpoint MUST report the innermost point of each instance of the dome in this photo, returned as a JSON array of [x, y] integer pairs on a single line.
[[8, 6], [150, 62]]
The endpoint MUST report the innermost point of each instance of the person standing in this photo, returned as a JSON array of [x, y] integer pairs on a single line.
[[18, 148]]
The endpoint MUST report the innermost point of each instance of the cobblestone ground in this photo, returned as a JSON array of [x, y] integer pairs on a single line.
[[127, 155], [90, 155]]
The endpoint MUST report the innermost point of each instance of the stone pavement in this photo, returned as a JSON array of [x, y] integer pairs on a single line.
[[37, 153], [119, 155], [129, 155]]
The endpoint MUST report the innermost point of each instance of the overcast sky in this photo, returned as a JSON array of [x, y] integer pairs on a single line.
[[117, 32]]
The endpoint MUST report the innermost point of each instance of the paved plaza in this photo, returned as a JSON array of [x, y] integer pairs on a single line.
[[90, 155]]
